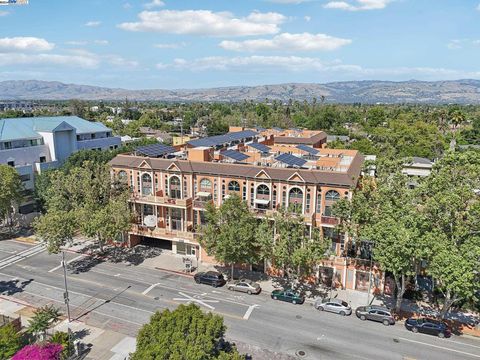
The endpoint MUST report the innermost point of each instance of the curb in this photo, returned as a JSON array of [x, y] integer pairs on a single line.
[[174, 272]]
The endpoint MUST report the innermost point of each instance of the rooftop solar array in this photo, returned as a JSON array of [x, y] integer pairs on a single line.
[[235, 155], [291, 160], [308, 149], [222, 139], [155, 150], [260, 147]]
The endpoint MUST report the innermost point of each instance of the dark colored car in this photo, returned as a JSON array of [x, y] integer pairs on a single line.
[[428, 326], [212, 278], [288, 296], [375, 313]]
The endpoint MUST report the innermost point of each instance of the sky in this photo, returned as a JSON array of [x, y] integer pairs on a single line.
[[167, 44]]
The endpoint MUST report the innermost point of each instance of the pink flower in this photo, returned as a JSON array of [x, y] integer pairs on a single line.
[[48, 351]]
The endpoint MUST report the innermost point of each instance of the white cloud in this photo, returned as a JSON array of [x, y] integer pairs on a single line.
[[206, 22], [170, 45], [100, 42], [461, 43], [25, 44], [288, 42], [76, 43], [313, 66], [4, 13], [93, 23], [478, 7], [127, 5], [154, 4], [48, 59], [307, 18], [357, 5]]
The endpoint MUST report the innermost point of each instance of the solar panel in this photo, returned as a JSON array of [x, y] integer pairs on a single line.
[[235, 155], [260, 147], [291, 160], [155, 150], [222, 139], [308, 149]]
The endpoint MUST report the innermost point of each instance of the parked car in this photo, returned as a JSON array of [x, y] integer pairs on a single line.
[[428, 326], [212, 278], [375, 313], [246, 286], [337, 306], [288, 295]]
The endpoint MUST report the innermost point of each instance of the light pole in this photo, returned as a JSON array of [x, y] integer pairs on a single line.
[[370, 246], [65, 294]]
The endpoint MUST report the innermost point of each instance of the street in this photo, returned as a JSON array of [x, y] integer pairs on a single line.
[[122, 297]]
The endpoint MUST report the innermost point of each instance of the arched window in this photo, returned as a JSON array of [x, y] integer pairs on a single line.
[[332, 195], [295, 198], [233, 186], [122, 176], [146, 184], [175, 188], [263, 192], [205, 185]]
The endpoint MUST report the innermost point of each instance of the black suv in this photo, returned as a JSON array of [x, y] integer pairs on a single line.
[[428, 326], [375, 313], [210, 278]]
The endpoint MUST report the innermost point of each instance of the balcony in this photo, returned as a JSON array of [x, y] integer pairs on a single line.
[[329, 220], [159, 199], [163, 233]]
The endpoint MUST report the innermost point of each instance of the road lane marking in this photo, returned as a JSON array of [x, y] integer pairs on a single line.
[[441, 347], [37, 249], [68, 262], [196, 299], [150, 288], [249, 311]]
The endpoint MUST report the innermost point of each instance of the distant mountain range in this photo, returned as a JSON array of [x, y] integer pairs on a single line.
[[435, 92]]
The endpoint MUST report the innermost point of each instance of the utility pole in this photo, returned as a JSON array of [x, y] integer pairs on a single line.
[[65, 294], [370, 248]]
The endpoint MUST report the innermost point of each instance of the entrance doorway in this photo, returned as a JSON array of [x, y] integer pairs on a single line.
[[186, 249]]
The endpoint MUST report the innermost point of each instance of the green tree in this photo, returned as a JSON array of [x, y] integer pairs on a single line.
[[229, 233], [10, 191], [294, 249], [183, 334], [451, 230], [42, 320], [62, 338], [10, 341], [84, 200]]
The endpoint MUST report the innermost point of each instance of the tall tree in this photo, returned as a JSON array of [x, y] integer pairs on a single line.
[[451, 228], [294, 249], [229, 233], [184, 334], [11, 189]]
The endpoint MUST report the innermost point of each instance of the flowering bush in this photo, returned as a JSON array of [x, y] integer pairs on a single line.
[[47, 351]]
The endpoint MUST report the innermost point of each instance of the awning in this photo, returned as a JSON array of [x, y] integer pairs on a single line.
[[262, 201], [203, 194]]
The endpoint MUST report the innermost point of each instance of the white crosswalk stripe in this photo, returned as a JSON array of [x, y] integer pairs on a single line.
[[37, 249]]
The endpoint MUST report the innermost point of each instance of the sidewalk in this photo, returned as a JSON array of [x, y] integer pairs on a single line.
[[100, 344]]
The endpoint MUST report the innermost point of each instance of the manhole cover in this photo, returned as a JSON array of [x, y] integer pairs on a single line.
[[301, 353], [156, 298], [396, 340], [298, 316]]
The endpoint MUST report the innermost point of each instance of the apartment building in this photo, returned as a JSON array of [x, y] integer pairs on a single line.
[[171, 188], [34, 144]]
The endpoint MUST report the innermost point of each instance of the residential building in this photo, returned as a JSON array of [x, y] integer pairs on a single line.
[[417, 168], [34, 144], [159, 135], [170, 190], [180, 140]]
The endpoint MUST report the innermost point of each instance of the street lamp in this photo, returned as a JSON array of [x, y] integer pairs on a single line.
[[65, 294], [370, 246]]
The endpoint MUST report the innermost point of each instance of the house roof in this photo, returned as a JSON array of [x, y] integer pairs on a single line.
[[29, 128], [348, 178], [300, 140]]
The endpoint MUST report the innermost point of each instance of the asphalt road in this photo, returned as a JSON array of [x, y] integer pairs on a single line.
[[122, 298]]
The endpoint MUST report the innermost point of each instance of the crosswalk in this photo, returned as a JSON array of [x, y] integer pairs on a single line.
[[37, 249]]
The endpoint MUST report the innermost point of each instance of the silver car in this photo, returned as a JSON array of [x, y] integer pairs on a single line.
[[333, 305], [245, 285]]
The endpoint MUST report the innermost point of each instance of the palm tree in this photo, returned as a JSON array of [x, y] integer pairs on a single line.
[[457, 117]]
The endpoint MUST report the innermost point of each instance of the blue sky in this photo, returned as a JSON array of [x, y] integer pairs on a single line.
[[209, 43]]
